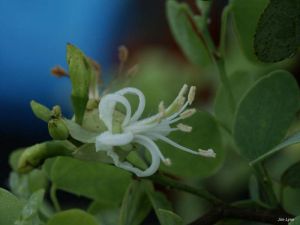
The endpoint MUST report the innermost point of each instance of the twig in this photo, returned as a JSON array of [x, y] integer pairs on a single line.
[[171, 183]]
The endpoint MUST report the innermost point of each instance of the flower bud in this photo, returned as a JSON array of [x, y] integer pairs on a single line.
[[40, 111], [56, 112], [58, 129], [33, 156]]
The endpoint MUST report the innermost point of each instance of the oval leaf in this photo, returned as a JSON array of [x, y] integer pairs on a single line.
[[72, 217], [205, 135], [265, 113], [277, 33], [135, 206], [180, 20], [10, 207], [240, 82], [97, 181]]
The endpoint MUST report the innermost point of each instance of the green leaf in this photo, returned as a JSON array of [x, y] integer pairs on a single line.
[[10, 207], [72, 217], [265, 113], [161, 206], [240, 82], [97, 181], [291, 140], [169, 218], [291, 177], [23, 185], [40, 111], [246, 16], [105, 213], [205, 135], [295, 221], [80, 71], [277, 34], [29, 215], [181, 22], [88, 152], [135, 206]]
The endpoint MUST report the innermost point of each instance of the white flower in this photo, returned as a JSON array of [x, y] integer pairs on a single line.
[[145, 131]]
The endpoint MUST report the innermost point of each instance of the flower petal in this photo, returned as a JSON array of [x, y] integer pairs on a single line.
[[138, 113], [107, 106], [107, 140]]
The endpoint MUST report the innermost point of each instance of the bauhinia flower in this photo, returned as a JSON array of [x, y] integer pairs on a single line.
[[134, 130]]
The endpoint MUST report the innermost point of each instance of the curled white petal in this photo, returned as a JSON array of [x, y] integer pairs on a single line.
[[109, 139], [107, 106], [155, 160], [155, 155], [138, 113]]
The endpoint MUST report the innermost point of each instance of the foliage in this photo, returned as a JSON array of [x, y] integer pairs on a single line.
[[252, 118]]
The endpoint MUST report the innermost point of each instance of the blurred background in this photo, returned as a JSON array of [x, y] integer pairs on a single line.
[[33, 38]]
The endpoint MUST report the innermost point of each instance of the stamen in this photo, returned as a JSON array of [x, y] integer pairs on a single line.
[[184, 128], [169, 141], [192, 94], [187, 113], [207, 153]]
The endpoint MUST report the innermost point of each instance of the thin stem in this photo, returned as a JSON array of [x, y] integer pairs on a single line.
[[200, 192], [225, 81], [224, 21], [259, 215], [54, 198], [219, 60], [267, 185]]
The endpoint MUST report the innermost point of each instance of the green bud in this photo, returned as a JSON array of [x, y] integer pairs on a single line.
[[40, 111], [35, 155], [58, 129]]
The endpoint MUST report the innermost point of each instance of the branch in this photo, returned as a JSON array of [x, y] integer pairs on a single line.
[[200, 192], [257, 215]]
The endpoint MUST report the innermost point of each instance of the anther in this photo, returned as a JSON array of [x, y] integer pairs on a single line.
[[181, 101], [184, 128], [183, 90], [167, 162], [187, 113], [161, 108], [191, 95], [207, 153]]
